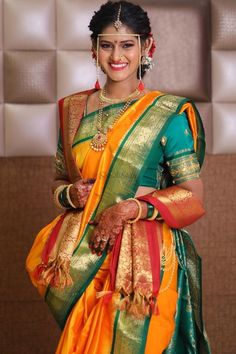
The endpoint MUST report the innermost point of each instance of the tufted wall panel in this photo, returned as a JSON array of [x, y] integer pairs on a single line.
[[72, 74], [44, 55], [29, 25], [47, 55], [29, 77], [29, 126]]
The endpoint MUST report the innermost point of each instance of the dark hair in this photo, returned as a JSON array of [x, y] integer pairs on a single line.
[[133, 16]]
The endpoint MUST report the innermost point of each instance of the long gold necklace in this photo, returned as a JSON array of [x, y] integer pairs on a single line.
[[99, 140]]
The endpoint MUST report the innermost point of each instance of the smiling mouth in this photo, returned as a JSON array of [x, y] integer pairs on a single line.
[[118, 66]]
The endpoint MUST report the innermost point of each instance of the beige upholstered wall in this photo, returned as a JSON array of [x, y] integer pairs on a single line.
[[44, 55]]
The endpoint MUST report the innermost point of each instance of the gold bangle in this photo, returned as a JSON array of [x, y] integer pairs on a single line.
[[154, 215], [68, 196], [139, 211], [56, 193]]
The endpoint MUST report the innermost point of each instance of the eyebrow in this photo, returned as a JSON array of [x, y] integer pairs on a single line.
[[127, 40]]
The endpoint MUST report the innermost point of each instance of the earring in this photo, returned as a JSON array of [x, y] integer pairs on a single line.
[[147, 62], [95, 57], [141, 85]]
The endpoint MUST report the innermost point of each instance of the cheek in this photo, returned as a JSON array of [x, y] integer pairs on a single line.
[[134, 59], [102, 56]]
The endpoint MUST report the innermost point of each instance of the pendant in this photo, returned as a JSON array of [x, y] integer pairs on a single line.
[[99, 141]]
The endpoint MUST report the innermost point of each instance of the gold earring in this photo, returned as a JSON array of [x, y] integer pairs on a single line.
[[97, 84]]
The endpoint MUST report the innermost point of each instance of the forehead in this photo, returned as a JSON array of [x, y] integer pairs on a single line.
[[111, 34]]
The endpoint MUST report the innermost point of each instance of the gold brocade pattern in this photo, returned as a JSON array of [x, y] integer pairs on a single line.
[[73, 109], [86, 130], [128, 334], [134, 278], [184, 168], [76, 107], [60, 168], [124, 278], [57, 271], [141, 260]]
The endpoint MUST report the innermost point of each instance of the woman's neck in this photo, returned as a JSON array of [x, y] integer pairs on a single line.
[[120, 89]]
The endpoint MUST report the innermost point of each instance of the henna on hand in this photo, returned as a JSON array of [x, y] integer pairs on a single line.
[[80, 191], [110, 223]]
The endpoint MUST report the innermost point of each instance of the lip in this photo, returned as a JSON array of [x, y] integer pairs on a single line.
[[118, 66]]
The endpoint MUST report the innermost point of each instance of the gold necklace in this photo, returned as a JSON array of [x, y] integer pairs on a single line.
[[99, 140], [104, 98]]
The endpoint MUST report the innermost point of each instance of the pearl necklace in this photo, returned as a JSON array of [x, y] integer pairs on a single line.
[[99, 140]]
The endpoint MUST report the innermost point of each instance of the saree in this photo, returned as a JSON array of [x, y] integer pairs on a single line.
[[90, 323]]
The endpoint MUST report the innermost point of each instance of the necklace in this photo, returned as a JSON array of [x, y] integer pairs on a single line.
[[104, 98], [99, 140]]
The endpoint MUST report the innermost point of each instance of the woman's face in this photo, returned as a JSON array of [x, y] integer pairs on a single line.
[[119, 54]]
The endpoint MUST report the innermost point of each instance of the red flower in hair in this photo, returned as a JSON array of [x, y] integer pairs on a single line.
[[153, 47]]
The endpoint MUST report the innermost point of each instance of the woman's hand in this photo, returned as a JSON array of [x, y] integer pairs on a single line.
[[110, 223], [80, 191]]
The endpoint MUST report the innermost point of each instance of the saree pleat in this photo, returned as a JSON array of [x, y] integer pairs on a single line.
[[92, 325]]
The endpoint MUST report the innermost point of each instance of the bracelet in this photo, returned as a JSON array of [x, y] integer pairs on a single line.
[[155, 215], [56, 194], [63, 199], [150, 210], [139, 211], [68, 196]]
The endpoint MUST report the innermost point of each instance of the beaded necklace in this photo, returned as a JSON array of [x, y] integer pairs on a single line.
[[99, 140]]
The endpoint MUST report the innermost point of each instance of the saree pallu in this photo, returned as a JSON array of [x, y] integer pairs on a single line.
[[91, 325]]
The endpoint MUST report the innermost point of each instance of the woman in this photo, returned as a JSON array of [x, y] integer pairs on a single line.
[[116, 269]]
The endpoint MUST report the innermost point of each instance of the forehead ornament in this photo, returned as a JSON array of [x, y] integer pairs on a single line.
[[118, 23]]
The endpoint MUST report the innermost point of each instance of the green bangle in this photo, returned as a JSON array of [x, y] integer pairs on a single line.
[[63, 199], [150, 210]]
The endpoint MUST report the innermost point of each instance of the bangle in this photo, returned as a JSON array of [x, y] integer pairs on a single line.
[[150, 210], [56, 193], [155, 214], [68, 196], [139, 211], [63, 199]]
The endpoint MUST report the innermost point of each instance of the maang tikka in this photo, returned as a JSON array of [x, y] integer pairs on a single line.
[[118, 24]]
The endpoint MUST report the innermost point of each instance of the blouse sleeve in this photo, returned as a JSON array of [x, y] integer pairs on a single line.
[[178, 149]]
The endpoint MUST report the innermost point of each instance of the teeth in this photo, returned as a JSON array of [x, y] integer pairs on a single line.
[[118, 65]]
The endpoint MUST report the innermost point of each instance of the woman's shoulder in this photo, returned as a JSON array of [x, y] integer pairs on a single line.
[[79, 94]]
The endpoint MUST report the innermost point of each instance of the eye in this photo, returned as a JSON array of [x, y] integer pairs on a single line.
[[128, 45], [105, 45]]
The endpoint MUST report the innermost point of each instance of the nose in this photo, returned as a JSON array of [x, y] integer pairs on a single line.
[[116, 53]]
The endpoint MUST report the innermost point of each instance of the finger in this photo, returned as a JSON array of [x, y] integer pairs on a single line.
[[92, 222], [89, 180], [103, 245], [109, 248]]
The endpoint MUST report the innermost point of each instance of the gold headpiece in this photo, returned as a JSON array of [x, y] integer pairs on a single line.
[[118, 23]]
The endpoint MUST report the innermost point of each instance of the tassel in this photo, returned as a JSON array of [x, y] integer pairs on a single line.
[[56, 274], [97, 85], [141, 86]]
